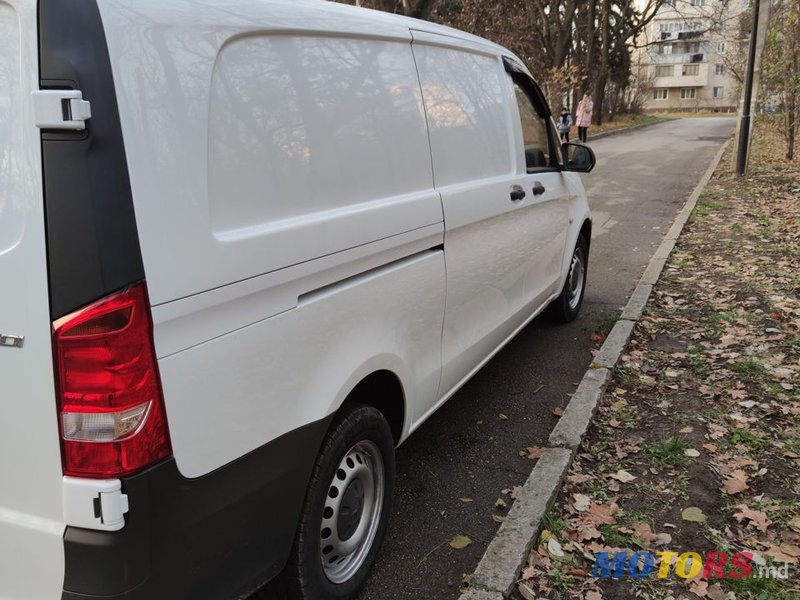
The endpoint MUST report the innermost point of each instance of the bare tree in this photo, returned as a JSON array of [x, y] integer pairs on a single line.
[[781, 67], [569, 45]]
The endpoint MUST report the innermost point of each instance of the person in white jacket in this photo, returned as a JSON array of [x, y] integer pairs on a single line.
[[583, 116]]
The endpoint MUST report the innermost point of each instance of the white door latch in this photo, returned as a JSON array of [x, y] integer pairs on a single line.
[[61, 109], [94, 503]]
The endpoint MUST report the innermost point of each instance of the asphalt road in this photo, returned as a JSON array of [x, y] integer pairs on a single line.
[[466, 450]]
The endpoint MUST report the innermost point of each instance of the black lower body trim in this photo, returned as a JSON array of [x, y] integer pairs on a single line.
[[210, 537]]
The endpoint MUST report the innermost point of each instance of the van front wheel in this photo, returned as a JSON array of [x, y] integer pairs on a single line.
[[568, 304], [346, 510]]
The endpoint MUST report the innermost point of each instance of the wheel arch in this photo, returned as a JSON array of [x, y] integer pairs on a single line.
[[586, 232], [383, 390]]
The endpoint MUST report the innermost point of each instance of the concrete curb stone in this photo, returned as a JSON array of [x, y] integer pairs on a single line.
[[572, 426], [509, 549], [636, 303], [476, 594], [613, 346]]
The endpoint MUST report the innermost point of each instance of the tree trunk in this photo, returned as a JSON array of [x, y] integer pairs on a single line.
[[602, 76], [791, 129], [589, 40]]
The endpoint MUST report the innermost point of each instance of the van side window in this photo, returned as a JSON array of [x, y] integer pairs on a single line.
[[534, 133], [466, 108]]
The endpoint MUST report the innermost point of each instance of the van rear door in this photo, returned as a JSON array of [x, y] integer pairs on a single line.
[[31, 522]]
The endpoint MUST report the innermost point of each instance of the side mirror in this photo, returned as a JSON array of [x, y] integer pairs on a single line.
[[578, 158]]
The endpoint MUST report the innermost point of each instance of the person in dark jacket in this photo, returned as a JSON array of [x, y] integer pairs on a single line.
[[564, 124]]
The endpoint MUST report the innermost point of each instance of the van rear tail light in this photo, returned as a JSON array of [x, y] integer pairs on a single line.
[[111, 409]]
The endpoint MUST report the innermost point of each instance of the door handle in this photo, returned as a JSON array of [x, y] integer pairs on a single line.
[[517, 193], [538, 188]]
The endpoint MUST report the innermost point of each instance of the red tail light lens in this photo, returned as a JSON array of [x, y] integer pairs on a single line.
[[109, 395]]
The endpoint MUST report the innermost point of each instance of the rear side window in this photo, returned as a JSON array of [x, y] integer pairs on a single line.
[[535, 136], [467, 116]]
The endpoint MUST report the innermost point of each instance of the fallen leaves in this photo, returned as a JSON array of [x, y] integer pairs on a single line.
[[459, 542], [582, 502], [693, 514], [736, 483], [758, 519], [533, 452], [622, 476]]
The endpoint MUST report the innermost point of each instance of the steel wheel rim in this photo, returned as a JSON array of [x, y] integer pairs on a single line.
[[575, 279], [352, 511]]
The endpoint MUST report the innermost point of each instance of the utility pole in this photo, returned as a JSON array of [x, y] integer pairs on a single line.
[[754, 56]]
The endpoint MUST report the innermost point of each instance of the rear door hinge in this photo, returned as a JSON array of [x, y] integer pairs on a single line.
[[61, 109], [94, 503]]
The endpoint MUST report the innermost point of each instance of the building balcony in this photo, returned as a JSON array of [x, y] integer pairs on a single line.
[[682, 81], [680, 58]]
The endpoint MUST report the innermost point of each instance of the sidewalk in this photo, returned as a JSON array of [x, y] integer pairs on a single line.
[[696, 444]]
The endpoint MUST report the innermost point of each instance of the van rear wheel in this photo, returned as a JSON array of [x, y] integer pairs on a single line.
[[346, 510], [568, 304]]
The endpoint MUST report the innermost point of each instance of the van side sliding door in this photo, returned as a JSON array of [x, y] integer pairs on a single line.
[[488, 225], [545, 207]]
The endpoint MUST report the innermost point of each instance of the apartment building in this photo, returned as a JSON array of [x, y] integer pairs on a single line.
[[690, 52]]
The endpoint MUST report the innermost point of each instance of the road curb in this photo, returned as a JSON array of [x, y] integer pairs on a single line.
[[602, 134], [508, 550], [497, 573]]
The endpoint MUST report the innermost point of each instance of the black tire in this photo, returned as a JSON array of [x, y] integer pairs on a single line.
[[568, 304], [357, 429]]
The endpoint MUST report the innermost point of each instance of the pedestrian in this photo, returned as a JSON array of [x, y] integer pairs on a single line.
[[583, 116], [564, 124]]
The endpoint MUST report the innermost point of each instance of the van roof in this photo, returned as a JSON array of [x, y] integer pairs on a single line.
[[420, 25], [324, 16]]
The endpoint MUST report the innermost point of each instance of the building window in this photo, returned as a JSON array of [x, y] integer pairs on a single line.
[[664, 71], [698, 2], [719, 70], [721, 47], [687, 94], [665, 49], [689, 70], [719, 92], [660, 94]]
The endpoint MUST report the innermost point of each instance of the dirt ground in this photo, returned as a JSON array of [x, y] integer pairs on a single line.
[[696, 445]]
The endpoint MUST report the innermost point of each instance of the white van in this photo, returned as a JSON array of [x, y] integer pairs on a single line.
[[247, 247]]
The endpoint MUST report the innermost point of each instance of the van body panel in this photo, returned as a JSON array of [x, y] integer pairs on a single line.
[[235, 393], [191, 321], [287, 121], [31, 522]]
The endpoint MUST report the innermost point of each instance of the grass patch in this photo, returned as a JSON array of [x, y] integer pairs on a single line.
[[604, 323], [625, 375], [669, 452], [743, 437], [705, 206], [555, 525], [758, 588], [615, 538], [747, 367]]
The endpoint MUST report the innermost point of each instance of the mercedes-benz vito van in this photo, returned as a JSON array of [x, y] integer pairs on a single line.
[[246, 248]]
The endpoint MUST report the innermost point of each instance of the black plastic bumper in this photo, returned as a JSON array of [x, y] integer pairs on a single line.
[[210, 537]]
